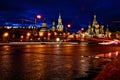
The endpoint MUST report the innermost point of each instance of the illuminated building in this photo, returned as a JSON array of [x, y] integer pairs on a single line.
[[53, 26], [107, 33], [60, 25], [44, 26], [96, 30]]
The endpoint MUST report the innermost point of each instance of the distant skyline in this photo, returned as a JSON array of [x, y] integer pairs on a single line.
[[78, 13]]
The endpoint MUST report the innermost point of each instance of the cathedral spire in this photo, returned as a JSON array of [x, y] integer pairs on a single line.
[[59, 16], [59, 19], [94, 20]]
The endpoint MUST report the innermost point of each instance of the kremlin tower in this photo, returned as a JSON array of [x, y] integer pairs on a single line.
[[60, 25], [44, 26]]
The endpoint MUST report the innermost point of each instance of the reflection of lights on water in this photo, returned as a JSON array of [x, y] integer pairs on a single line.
[[117, 53], [57, 45], [82, 56], [27, 46], [68, 45], [108, 55], [89, 56], [6, 47], [96, 57], [82, 60]]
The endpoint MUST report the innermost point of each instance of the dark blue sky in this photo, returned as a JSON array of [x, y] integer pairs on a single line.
[[79, 13]]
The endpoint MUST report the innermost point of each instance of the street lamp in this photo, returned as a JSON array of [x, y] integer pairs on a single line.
[[82, 29], [37, 17], [40, 33], [28, 34], [5, 34], [68, 26]]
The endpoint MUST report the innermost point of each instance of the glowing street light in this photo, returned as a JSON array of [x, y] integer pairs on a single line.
[[68, 26], [40, 33], [5, 34], [28, 34], [37, 17], [82, 29]]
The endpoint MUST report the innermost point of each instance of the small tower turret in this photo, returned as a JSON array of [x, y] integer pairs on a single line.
[[53, 26], [44, 24]]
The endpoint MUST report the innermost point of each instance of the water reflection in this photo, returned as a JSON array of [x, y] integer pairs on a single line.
[[108, 55], [52, 62]]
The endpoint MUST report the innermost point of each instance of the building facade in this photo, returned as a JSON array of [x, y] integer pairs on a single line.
[[96, 29], [60, 26]]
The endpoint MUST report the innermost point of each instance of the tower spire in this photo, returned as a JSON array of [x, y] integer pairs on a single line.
[[60, 26], [59, 15], [94, 20]]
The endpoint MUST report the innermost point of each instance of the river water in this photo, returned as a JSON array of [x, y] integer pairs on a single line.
[[54, 61]]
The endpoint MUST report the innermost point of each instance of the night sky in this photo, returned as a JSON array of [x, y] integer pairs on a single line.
[[79, 13]]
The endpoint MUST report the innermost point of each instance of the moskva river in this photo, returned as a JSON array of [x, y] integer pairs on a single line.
[[54, 61]]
